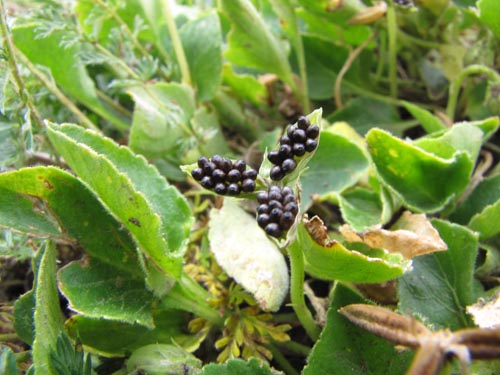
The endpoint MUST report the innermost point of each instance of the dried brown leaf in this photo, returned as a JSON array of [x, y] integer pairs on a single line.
[[412, 235], [486, 313]]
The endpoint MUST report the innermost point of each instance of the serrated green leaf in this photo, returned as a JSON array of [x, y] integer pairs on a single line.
[[77, 211], [428, 121], [251, 44], [244, 251], [98, 290], [442, 284], [344, 348], [8, 365], [239, 367], [333, 261], [424, 181], [47, 318], [114, 338], [156, 214], [202, 42], [337, 164]]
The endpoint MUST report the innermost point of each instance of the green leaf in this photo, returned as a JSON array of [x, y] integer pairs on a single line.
[[442, 284], [156, 214], [489, 10], [202, 42], [425, 182], [161, 117], [429, 122], [246, 86], [361, 208], [48, 317], [160, 359], [98, 290], [337, 164], [23, 317], [8, 365], [65, 66], [75, 209], [239, 367], [481, 208], [251, 44], [344, 348], [333, 261], [66, 359], [244, 251], [114, 338]]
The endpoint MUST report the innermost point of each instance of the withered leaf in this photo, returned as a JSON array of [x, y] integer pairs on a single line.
[[412, 235], [486, 313]]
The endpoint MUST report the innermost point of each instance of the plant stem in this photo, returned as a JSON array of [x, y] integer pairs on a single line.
[[295, 347], [9, 49], [84, 120], [297, 291], [281, 360], [457, 84], [392, 30], [177, 44]]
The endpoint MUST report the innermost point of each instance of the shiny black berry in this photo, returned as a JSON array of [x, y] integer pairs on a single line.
[[313, 132], [275, 193], [249, 174], [291, 129], [263, 220], [226, 165], [202, 161], [263, 209], [288, 165], [234, 175], [233, 189], [207, 182], [217, 160], [299, 135], [286, 191], [292, 207], [248, 185], [220, 188], [276, 173], [218, 175], [285, 140], [273, 229], [274, 157], [285, 152], [197, 174], [275, 204], [303, 122], [240, 165], [310, 145], [262, 197], [298, 149]]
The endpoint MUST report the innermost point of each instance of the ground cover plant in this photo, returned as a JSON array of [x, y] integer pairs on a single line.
[[249, 187]]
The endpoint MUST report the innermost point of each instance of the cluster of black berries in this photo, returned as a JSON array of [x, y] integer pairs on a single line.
[[277, 210], [223, 176], [298, 140]]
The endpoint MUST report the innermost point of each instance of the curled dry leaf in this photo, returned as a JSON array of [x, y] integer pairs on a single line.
[[486, 313], [413, 235], [243, 250]]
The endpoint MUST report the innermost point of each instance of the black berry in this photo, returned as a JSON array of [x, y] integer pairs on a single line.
[[286, 220], [288, 165], [274, 157], [285, 151], [276, 173], [202, 161], [292, 207], [207, 182], [299, 135], [286, 191], [197, 174], [234, 175], [240, 165], [310, 145], [226, 165], [262, 197], [209, 167], [313, 132], [217, 160], [218, 175], [298, 149], [263, 220], [275, 204], [248, 185], [290, 131], [275, 193], [233, 189], [303, 122], [263, 209], [220, 188], [273, 229], [249, 174], [285, 140]]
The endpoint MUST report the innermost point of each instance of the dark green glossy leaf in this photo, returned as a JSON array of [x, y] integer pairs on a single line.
[[202, 43], [333, 261], [442, 284], [98, 290], [344, 348], [425, 182]]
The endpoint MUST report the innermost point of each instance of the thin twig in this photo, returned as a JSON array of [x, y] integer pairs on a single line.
[[350, 59]]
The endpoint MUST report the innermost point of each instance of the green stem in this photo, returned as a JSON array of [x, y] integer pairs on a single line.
[[10, 50], [282, 361], [382, 49], [5, 337], [177, 44], [84, 120], [392, 30], [294, 347], [457, 84], [297, 291]]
